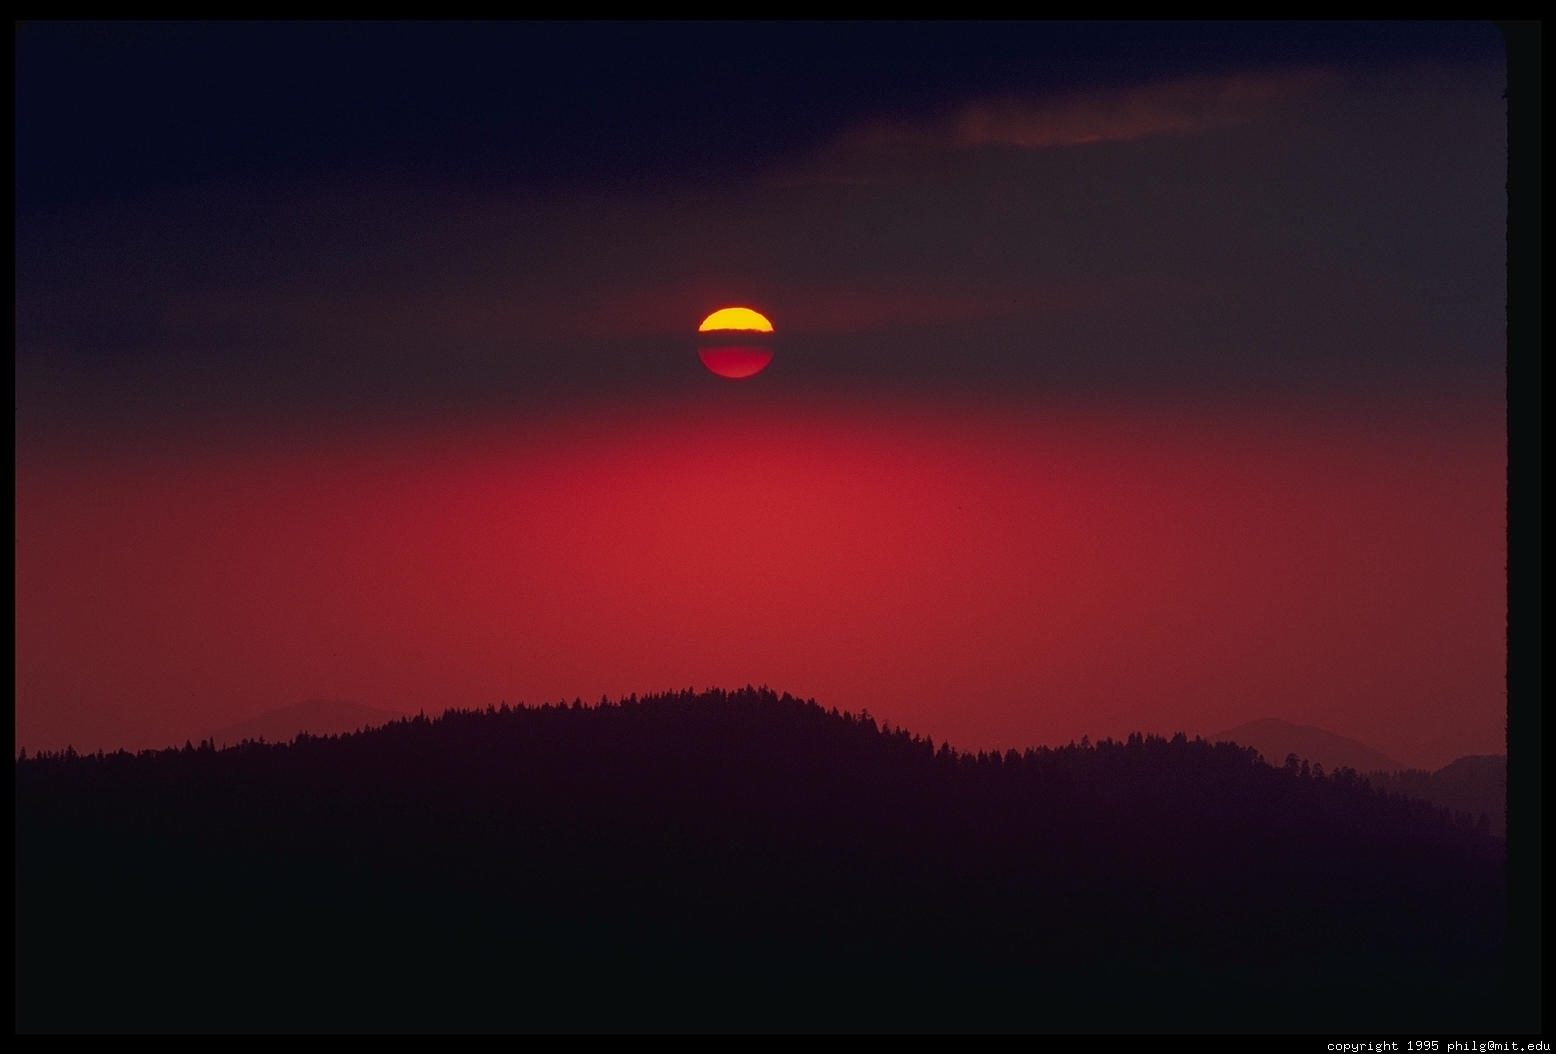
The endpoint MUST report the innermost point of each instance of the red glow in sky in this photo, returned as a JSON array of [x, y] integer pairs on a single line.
[[998, 579]]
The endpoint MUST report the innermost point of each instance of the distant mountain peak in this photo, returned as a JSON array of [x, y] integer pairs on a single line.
[[318, 717], [1276, 739]]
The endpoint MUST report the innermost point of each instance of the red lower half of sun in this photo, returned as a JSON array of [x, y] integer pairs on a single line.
[[735, 361]]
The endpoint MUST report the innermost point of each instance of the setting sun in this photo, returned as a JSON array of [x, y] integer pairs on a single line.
[[736, 318], [734, 342]]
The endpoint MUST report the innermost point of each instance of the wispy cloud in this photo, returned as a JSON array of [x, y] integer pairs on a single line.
[[1180, 106], [884, 149]]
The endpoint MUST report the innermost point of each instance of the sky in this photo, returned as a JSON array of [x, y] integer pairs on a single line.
[[1126, 376]]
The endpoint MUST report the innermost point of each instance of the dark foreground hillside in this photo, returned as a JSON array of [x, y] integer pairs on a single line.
[[738, 861]]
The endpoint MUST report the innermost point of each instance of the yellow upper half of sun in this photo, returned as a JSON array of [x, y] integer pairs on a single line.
[[736, 318]]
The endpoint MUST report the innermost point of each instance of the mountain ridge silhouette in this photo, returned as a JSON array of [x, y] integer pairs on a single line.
[[740, 860]]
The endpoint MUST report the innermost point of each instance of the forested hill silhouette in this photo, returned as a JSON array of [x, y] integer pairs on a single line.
[[738, 861], [1475, 784]]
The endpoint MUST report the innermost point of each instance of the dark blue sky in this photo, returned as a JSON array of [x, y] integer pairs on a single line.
[[108, 111]]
